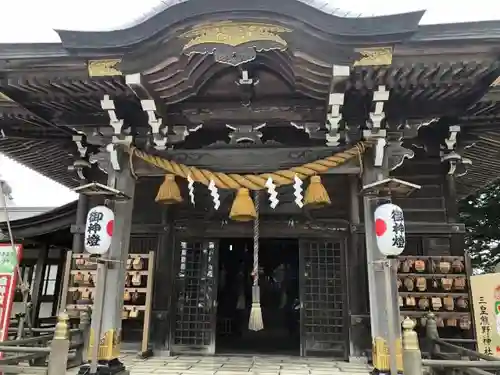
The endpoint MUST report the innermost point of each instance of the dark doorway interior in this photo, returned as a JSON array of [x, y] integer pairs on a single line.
[[279, 283]]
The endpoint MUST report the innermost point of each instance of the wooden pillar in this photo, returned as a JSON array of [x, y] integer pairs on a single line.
[[452, 215], [161, 291], [79, 228], [173, 269], [38, 283], [108, 299], [357, 280], [59, 283]]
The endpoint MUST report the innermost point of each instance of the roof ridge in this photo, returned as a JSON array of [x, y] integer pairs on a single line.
[[325, 6]]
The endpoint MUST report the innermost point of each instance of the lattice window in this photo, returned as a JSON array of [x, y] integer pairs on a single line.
[[195, 293], [142, 245], [323, 295]]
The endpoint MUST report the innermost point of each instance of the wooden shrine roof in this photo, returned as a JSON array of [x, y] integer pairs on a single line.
[[60, 218], [51, 91]]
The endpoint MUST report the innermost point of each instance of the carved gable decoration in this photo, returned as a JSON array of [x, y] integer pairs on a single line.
[[104, 68], [234, 43], [373, 56]]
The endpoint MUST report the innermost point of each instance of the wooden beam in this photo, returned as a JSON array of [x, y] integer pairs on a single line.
[[424, 228], [269, 228], [250, 160], [280, 110], [423, 52]]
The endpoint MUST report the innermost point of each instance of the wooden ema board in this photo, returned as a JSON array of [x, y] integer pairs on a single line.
[[80, 281]]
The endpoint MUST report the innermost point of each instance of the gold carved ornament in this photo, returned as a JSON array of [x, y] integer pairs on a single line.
[[104, 68], [410, 337], [374, 56], [109, 345], [243, 208], [5, 98], [234, 34], [496, 82]]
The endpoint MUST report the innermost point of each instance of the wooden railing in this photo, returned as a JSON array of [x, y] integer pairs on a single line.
[[444, 357], [50, 350]]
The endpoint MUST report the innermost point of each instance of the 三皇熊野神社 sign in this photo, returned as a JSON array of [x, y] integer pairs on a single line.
[[485, 290]]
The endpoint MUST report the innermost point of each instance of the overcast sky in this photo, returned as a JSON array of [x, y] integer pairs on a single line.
[[27, 21]]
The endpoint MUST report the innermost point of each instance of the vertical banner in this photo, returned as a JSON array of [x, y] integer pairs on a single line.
[[9, 262], [486, 299]]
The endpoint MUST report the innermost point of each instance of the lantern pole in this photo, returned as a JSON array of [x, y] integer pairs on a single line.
[[383, 294], [108, 301], [97, 314], [392, 316], [382, 320]]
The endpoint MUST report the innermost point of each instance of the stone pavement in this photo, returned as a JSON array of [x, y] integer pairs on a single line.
[[239, 365]]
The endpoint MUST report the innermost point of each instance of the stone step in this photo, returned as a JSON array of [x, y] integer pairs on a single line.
[[239, 365]]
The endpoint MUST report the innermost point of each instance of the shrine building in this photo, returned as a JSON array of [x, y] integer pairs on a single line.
[[246, 143]]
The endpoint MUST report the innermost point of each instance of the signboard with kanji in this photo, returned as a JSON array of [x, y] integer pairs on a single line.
[[485, 291], [9, 262]]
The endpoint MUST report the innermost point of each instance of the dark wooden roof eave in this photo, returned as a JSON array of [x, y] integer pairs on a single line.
[[309, 14], [32, 51], [484, 30], [49, 222], [292, 9], [49, 158]]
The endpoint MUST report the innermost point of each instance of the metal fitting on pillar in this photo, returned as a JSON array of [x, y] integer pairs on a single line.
[[375, 125], [59, 347], [81, 164], [378, 115], [335, 102], [159, 140], [412, 356], [451, 150], [108, 105], [62, 327], [118, 137], [431, 333]]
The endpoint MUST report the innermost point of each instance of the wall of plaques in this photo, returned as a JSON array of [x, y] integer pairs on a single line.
[[437, 284], [80, 282]]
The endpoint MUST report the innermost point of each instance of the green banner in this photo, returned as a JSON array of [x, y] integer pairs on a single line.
[[8, 259]]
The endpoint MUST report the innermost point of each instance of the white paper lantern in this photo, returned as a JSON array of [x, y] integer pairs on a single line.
[[390, 229], [99, 230]]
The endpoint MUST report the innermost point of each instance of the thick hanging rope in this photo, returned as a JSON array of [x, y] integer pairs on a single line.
[[256, 236], [251, 181], [256, 323]]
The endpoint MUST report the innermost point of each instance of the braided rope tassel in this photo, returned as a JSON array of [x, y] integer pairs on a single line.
[[255, 322]]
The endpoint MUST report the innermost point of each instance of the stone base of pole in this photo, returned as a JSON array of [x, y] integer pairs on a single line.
[[113, 367]]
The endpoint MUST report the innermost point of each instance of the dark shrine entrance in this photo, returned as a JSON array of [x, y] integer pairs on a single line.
[[280, 299], [303, 297]]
